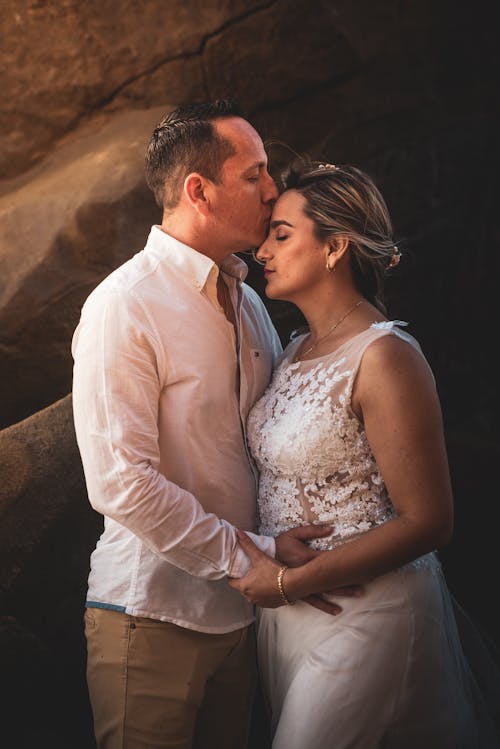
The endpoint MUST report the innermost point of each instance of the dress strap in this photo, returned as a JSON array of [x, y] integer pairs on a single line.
[[373, 333]]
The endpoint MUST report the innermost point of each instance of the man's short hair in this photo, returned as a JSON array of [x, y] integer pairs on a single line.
[[186, 141]]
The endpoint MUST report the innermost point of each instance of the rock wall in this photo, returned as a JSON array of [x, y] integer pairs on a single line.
[[47, 532], [407, 90], [83, 211]]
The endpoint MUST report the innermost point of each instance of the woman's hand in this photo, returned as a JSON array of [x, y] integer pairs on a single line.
[[260, 585]]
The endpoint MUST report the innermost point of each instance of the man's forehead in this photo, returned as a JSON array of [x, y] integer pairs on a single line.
[[241, 134]]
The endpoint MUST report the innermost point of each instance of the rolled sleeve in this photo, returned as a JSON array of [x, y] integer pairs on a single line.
[[240, 563]]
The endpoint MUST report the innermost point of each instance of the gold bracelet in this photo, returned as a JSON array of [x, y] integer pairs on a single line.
[[281, 589]]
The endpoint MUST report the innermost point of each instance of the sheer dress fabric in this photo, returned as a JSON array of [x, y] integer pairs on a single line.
[[389, 671]]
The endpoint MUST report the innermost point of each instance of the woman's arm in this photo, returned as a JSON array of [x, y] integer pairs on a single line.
[[395, 397]]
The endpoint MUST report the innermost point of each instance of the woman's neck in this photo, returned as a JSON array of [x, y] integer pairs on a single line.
[[322, 317]]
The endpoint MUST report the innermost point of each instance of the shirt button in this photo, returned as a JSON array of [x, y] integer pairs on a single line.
[[197, 284]]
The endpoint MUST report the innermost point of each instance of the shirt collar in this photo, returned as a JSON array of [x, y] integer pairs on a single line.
[[193, 264]]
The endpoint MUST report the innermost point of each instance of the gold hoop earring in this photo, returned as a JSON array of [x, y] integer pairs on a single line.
[[330, 269]]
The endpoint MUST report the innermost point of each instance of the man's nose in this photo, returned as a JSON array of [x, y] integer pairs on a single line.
[[270, 190]]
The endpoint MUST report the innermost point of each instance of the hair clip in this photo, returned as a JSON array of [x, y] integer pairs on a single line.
[[396, 257], [328, 166]]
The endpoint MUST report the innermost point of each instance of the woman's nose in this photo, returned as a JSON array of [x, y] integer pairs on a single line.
[[262, 253]]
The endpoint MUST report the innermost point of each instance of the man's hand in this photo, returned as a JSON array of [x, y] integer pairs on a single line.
[[328, 607], [291, 546], [259, 585]]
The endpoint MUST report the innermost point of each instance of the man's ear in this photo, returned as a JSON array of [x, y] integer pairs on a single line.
[[197, 193]]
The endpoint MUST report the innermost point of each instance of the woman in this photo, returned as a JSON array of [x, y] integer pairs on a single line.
[[349, 433]]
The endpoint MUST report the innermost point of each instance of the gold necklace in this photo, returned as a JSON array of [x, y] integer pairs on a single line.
[[299, 355]]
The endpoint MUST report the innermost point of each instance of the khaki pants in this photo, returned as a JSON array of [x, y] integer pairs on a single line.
[[154, 685]]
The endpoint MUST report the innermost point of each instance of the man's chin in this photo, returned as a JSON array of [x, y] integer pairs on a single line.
[[255, 242], [252, 247]]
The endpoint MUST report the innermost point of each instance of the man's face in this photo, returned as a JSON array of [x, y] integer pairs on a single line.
[[244, 199]]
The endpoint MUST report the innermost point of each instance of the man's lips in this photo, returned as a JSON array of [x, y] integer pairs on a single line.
[[267, 272]]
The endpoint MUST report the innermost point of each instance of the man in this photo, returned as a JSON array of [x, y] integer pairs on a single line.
[[171, 352]]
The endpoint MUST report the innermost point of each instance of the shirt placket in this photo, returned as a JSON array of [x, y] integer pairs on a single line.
[[243, 391]]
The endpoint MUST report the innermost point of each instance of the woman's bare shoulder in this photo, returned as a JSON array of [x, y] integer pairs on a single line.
[[394, 361]]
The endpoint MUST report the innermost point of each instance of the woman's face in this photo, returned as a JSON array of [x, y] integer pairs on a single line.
[[294, 258]]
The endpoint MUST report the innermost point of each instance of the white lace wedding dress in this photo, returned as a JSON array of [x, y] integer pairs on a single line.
[[389, 671]]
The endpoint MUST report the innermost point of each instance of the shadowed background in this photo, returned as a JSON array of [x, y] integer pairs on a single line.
[[407, 90]]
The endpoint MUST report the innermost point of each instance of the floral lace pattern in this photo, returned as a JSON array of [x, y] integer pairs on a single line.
[[315, 463]]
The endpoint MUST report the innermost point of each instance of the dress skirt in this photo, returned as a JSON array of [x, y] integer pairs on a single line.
[[388, 672]]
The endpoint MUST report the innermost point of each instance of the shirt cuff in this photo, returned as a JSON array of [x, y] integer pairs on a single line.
[[240, 563]]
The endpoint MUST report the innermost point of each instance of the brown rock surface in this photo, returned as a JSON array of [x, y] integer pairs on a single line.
[[64, 60], [268, 66], [42, 483], [47, 532], [409, 91], [64, 226]]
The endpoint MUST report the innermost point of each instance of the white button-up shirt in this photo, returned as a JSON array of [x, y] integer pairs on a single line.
[[162, 387]]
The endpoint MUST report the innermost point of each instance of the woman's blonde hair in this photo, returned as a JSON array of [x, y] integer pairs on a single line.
[[342, 199]]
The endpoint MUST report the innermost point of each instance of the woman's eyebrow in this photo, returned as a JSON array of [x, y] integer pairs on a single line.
[[280, 222]]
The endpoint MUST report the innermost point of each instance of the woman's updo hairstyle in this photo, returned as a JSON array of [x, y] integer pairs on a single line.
[[344, 200]]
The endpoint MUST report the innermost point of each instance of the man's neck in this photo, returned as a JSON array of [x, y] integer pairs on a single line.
[[189, 235]]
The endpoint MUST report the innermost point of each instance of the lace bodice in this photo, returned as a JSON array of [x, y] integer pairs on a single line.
[[315, 463]]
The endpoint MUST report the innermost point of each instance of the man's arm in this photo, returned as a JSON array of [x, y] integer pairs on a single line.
[[118, 375]]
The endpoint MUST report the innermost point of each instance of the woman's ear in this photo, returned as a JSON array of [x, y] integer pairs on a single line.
[[195, 190], [337, 247]]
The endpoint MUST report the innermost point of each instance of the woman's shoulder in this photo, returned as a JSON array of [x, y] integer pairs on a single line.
[[389, 336], [390, 329], [382, 339], [391, 352]]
